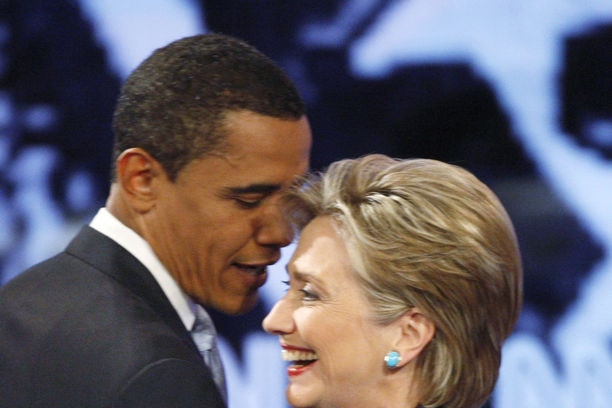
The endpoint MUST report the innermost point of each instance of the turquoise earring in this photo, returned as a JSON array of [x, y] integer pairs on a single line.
[[392, 359]]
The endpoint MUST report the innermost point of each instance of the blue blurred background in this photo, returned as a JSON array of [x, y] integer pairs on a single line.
[[517, 91]]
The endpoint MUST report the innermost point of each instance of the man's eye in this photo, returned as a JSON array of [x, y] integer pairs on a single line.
[[248, 201]]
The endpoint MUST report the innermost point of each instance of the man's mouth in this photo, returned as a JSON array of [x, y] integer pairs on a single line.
[[254, 270], [253, 276]]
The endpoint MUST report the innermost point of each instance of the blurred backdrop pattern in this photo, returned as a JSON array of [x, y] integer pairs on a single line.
[[517, 91]]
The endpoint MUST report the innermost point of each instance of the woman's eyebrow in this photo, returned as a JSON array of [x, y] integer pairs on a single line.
[[304, 276]]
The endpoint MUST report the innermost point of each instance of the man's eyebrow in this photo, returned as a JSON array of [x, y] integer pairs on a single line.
[[254, 189]]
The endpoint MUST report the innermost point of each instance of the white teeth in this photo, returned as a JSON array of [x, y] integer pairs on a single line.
[[296, 355]]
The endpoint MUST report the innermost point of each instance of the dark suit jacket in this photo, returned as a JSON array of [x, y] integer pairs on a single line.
[[91, 327]]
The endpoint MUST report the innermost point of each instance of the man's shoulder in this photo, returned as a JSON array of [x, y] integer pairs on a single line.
[[63, 321]]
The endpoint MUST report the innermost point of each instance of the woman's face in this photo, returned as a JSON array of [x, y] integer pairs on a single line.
[[335, 349]]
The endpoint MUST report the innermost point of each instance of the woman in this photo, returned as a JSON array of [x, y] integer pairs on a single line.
[[404, 285]]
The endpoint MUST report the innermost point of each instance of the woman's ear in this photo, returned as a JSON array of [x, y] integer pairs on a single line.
[[415, 332], [137, 175]]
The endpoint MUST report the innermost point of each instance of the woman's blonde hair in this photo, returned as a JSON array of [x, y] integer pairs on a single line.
[[426, 234]]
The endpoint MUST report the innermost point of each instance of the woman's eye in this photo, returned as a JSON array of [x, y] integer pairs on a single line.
[[308, 294], [287, 285]]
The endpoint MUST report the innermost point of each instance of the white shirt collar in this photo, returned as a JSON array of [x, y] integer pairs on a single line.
[[107, 224]]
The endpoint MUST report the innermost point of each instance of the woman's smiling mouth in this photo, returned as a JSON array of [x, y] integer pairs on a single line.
[[300, 359]]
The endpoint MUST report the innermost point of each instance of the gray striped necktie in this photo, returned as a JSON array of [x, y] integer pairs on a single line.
[[205, 337]]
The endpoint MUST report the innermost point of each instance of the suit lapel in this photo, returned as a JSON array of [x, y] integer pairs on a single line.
[[113, 260]]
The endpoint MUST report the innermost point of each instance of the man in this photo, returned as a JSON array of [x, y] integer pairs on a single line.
[[209, 134]]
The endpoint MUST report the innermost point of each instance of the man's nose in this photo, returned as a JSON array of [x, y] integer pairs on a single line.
[[274, 229]]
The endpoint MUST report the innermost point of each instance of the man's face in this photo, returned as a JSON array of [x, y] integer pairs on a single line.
[[219, 225]]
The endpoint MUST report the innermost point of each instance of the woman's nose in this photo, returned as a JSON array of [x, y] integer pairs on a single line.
[[279, 321]]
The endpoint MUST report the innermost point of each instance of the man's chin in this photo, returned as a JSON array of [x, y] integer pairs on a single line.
[[236, 306]]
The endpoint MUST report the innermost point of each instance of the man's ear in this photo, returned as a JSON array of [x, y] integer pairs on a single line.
[[138, 174], [415, 332]]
